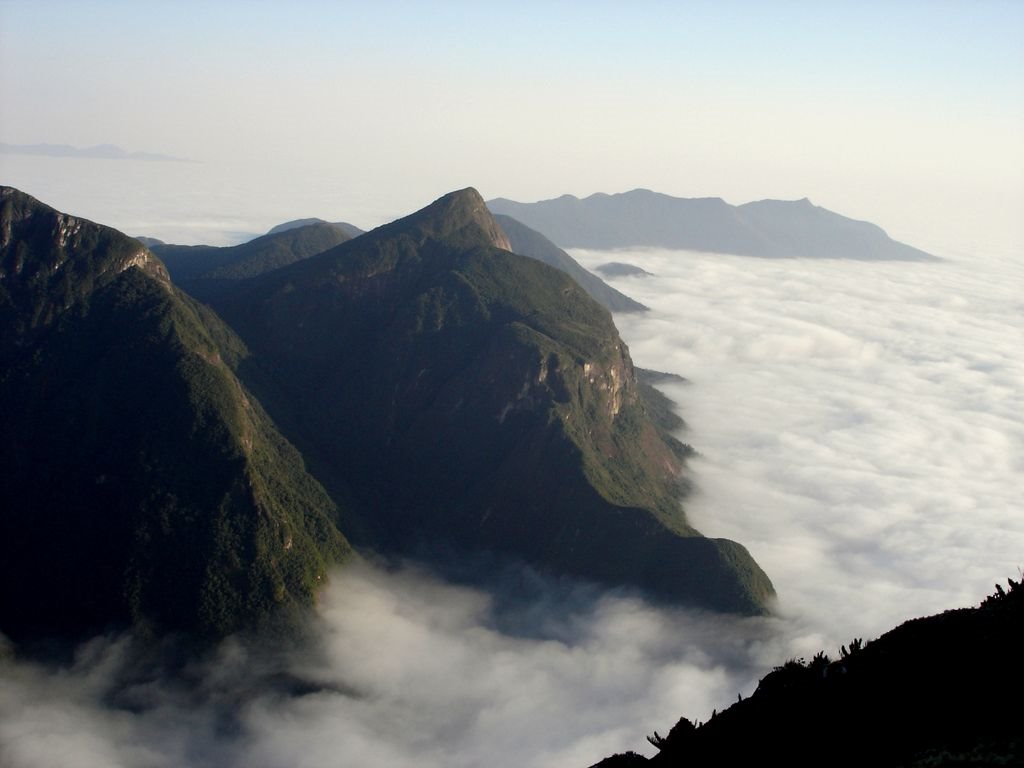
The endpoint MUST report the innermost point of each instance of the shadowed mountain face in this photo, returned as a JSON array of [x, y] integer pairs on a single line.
[[201, 269], [462, 396], [528, 242], [938, 691], [458, 398], [768, 228], [141, 482]]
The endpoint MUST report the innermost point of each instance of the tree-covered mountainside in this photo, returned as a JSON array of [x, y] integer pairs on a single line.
[[937, 691], [529, 242], [454, 396], [141, 482], [459, 395], [200, 269], [767, 228]]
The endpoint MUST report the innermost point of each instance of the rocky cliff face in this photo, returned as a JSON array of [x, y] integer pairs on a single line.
[[38, 240], [49, 261]]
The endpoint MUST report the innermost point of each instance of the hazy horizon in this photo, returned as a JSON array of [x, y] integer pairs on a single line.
[[909, 115]]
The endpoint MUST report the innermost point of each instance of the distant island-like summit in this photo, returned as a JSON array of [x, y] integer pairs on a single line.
[[766, 228], [97, 152]]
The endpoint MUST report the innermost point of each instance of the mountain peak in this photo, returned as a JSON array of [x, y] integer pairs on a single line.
[[460, 215], [100, 248], [49, 260]]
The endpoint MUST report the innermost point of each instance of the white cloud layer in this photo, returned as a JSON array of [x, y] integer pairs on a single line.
[[406, 671], [861, 426], [861, 430]]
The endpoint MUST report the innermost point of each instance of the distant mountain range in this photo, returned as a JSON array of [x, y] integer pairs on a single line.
[[99, 152], [937, 691], [444, 396], [768, 228]]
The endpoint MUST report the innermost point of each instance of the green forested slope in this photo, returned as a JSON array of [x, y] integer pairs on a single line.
[[463, 394], [141, 482]]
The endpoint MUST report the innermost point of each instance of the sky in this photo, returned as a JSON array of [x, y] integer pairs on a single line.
[[908, 114], [859, 424]]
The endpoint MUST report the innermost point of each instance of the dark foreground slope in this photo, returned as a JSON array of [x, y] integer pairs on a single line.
[[140, 482], [767, 228], [529, 242], [459, 395], [938, 691]]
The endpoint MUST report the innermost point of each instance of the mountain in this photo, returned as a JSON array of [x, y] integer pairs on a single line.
[[529, 242], [349, 229], [622, 269], [454, 397], [200, 269], [522, 240], [936, 691], [462, 398], [142, 483], [768, 228]]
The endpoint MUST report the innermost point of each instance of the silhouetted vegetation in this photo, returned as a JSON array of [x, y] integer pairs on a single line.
[[938, 691]]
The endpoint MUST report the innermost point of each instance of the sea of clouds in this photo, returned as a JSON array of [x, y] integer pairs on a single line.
[[860, 428], [403, 670], [861, 425]]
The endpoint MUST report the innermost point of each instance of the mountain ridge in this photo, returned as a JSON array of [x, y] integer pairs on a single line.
[[349, 229], [443, 391], [142, 484], [200, 269], [765, 228], [529, 242], [501, 383]]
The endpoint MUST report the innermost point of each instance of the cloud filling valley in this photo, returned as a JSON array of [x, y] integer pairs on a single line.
[[860, 429]]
